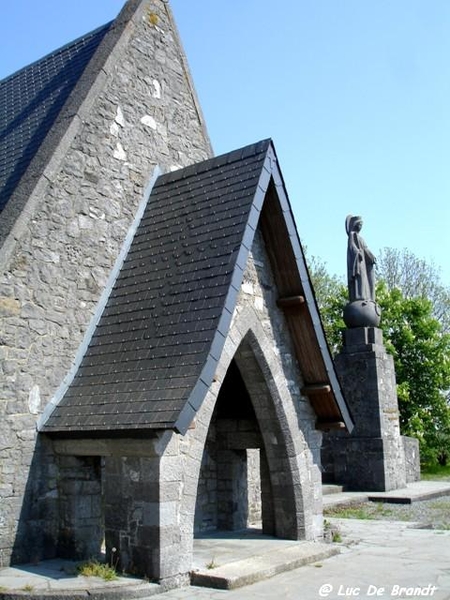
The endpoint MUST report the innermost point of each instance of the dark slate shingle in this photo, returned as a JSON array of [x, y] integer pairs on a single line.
[[30, 101], [156, 331]]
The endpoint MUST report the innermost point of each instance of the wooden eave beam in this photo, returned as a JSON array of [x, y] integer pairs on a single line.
[[315, 389], [291, 302], [325, 425]]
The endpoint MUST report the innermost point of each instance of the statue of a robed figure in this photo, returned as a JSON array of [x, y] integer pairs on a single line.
[[362, 310], [373, 456]]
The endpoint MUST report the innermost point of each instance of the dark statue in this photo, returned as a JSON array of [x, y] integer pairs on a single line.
[[360, 263], [362, 310]]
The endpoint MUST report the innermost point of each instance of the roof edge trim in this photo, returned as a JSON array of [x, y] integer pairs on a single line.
[[310, 296], [59, 394]]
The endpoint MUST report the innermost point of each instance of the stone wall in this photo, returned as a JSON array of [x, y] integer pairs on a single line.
[[412, 458], [229, 488], [80, 507], [140, 112]]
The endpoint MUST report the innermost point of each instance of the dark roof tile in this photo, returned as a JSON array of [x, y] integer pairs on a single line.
[[30, 101], [153, 339]]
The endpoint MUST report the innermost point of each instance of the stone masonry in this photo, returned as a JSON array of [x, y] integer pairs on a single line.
[[155, 489], [140, 112], [257, 313], [372, 458]]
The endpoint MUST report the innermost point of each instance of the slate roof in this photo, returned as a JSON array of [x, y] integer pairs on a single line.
[[155, 349], [31, 100]]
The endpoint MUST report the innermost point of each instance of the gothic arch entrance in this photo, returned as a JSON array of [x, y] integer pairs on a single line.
[[249, 469]]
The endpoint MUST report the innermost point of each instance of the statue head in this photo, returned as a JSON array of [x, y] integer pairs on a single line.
[[353, 223]]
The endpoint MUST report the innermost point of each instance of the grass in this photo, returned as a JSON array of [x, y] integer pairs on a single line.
[[93, 568], [435, 473], [336, 538], [362, 511], [331, 532], [212, 564], [442, 504], [28, 588]]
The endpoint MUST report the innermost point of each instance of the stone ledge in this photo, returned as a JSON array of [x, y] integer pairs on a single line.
[[256, 568]]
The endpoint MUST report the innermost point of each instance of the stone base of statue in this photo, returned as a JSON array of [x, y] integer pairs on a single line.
[[372, 457]]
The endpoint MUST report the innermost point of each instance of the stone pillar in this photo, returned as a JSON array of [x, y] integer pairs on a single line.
[[144, 529], [267, 509], [372, 457], [254, 485]]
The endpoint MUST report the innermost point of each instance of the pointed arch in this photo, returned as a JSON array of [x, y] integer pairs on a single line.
[[289, 460]]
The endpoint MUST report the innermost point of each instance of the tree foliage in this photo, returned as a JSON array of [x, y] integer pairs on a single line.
[[415, 333], [416, 279], [331, 296], [421, 352]]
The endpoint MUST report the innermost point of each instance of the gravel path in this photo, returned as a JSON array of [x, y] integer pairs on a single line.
[[434, 514]]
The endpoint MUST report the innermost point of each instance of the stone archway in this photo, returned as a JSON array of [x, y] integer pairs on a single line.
[[280, 427], [234, 465]]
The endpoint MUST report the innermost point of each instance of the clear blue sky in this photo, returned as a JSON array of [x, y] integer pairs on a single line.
[[354, 93]]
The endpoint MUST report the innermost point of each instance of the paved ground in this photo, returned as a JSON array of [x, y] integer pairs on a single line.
[[378, 559]]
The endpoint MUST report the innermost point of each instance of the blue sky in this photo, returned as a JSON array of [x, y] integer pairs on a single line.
[[354, 93]]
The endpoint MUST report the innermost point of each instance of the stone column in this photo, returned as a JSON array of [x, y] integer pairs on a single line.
[[143, 525], [267, 509], [372, 457]]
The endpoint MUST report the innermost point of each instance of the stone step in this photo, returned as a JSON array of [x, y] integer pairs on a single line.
[[263, 566], [331, 488]]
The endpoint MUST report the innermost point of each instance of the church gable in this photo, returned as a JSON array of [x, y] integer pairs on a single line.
[[118, 99]]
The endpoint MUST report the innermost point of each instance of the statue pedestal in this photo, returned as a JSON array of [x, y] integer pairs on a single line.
[[372, 457]]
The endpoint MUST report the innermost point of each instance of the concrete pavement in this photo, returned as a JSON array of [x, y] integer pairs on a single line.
[[378, 559]]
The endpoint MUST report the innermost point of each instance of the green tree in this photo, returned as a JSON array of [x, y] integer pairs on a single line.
[[416, 278], [331, 296], [421, 352], [420, 346]]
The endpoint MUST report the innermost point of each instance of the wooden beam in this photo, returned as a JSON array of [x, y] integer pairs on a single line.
[[315, 389], [324, 425], [290, 302]]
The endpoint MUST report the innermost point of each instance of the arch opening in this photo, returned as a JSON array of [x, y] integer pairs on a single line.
[[246, 478]]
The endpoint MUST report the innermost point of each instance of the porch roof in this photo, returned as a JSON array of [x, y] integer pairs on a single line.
[[155, 349]]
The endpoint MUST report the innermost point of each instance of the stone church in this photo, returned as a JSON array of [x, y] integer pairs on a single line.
[[164, 367]]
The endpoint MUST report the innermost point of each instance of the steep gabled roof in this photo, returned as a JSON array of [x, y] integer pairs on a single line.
[[155, 349], [31, 100]]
